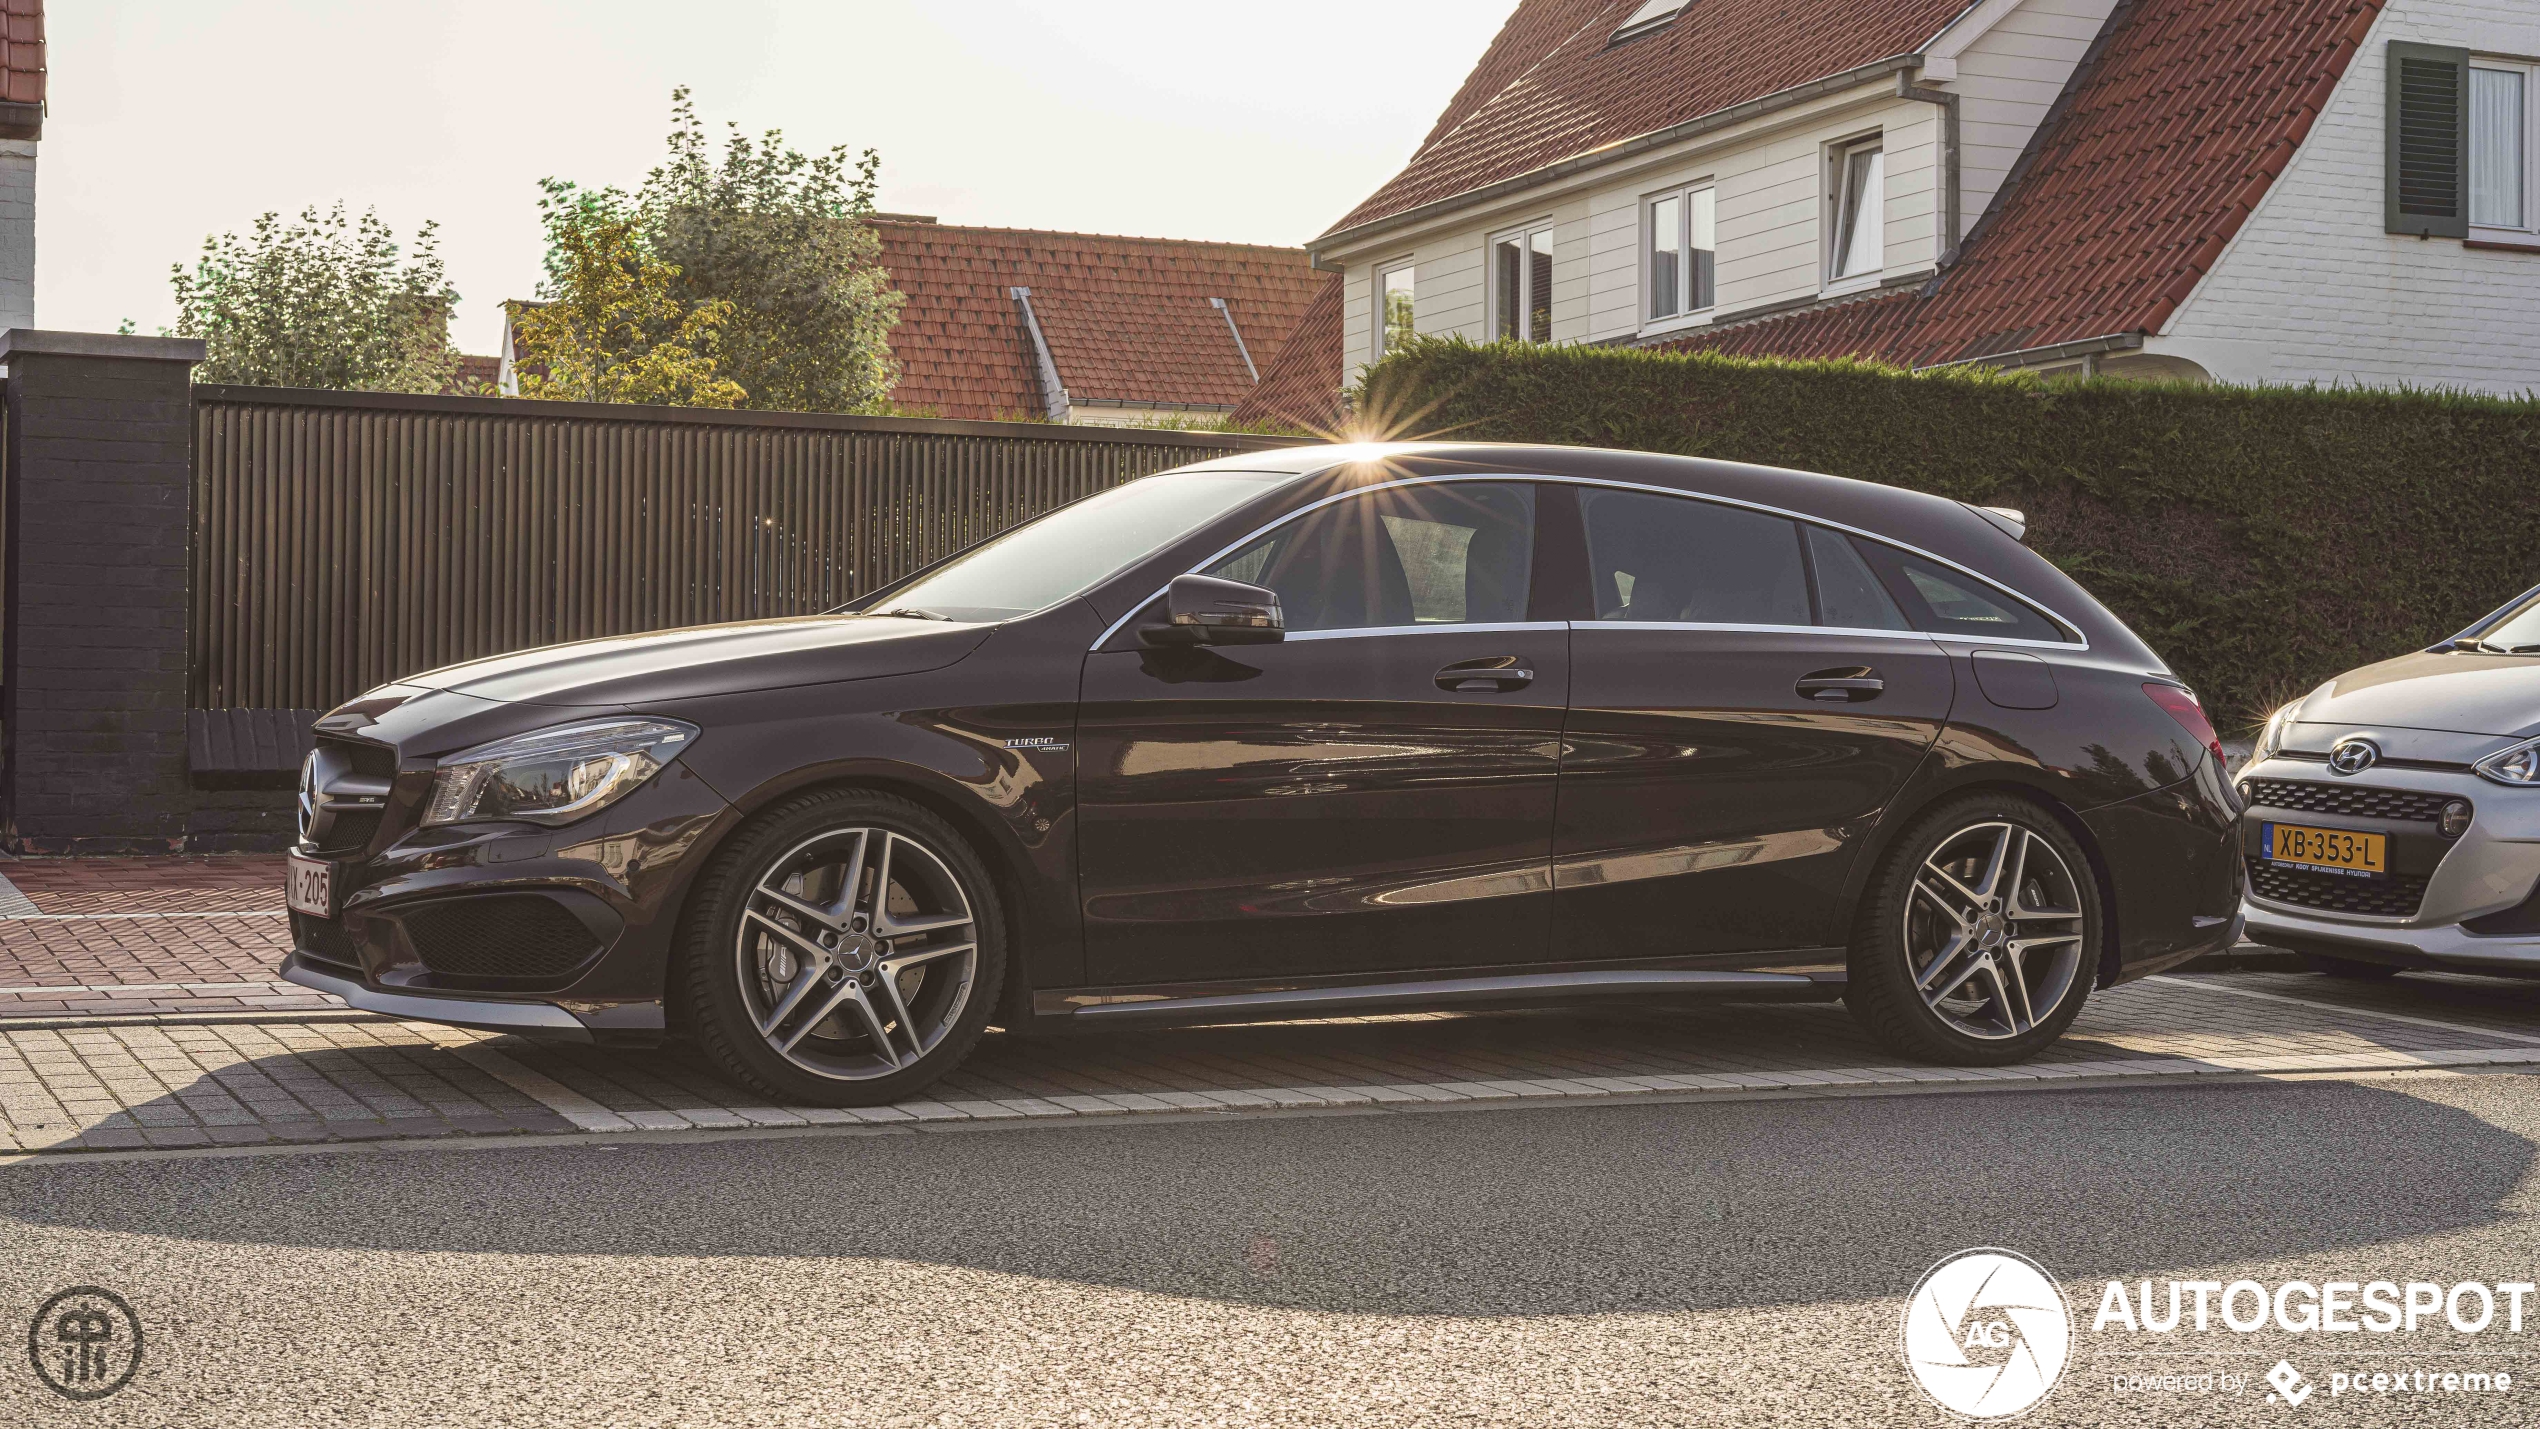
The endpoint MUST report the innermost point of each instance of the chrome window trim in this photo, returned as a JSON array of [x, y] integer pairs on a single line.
[[1737, 627], [2081, 640], [1442, 627]]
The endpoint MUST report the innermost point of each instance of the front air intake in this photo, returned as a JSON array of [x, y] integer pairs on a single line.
[[500, 935]]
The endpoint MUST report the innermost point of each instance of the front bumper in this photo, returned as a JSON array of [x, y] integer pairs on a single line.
[[2483, 876], [554, 932], [533, 1019]]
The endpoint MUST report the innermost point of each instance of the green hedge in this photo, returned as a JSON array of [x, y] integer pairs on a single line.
[[2262, 539]]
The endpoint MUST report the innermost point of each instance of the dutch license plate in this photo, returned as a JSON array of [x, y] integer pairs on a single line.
[[309, 887], [2346, 851]]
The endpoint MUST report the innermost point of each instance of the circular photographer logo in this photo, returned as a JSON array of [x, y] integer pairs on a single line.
[[86, 1343], [1987, 1333]]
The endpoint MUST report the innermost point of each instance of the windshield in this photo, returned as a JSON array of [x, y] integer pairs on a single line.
[[1073, 548], [2516, 634]]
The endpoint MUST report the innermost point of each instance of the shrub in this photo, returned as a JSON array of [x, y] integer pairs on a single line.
[[2262, 539]]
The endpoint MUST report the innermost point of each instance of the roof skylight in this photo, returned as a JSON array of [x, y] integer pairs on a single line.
[[1652, 15]]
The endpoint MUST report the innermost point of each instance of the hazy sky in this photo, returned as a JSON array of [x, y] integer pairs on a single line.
[[172, 119]]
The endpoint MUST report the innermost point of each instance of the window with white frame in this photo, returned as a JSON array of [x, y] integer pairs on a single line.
[[1682, 226], [1394, 325], [2500, 147], [1521, 284], [1858, 207]]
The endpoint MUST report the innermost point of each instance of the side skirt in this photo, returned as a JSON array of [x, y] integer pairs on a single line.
[[1196, 1003]]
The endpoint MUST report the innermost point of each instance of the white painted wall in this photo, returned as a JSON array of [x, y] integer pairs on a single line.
[[17, 233], [2007, 79], [1773, 183], [2312, 289]]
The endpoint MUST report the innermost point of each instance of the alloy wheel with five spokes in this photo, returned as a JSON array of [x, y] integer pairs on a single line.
[[1979, 935], [845, 951]]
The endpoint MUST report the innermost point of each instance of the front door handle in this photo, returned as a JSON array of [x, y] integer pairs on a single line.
[[1496, 674], [1850, 685]]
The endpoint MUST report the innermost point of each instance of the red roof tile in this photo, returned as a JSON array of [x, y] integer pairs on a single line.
[[1303, 388], [22, 51], [1127, 319], [2170, 133], [1552, 86]]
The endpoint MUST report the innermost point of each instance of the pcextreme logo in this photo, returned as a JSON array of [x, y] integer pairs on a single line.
[[1987, 1333]]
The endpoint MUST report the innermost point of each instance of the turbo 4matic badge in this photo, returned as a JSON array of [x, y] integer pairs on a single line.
[[1048, 742]]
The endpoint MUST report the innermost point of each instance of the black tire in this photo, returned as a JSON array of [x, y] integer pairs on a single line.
[[2327, 966], [834, 1060], [1901, 935]]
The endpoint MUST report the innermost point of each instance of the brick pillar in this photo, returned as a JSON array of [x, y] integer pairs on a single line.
[[93, 667]]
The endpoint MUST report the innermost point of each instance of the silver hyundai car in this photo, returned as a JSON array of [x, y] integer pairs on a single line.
[[2392, 815]]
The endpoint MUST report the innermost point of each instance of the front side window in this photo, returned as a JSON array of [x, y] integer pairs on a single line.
[[1455, 553], [1859, 202], [1669, 559], [1682, 236], [1074, 548], [1521, 285], [2499, 147], [1393, 308]]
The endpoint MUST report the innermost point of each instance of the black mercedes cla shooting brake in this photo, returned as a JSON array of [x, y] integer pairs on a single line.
[[1324, 731]]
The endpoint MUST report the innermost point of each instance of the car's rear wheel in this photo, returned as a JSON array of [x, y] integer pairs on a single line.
[[1979, 934], [845, 950], [2348, 968]]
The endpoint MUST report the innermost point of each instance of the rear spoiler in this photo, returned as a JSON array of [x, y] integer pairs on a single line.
[[2013, 524]]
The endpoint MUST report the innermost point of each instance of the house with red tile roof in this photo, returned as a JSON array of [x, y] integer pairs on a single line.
[[21, 126], [1082, 327], [2249, 191]]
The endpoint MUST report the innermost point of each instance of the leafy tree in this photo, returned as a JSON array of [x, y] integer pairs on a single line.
[[749, 279], [612, 327], [323, 301], [781, 237]]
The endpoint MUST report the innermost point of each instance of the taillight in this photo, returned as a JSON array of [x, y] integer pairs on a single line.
[[2181, 703]]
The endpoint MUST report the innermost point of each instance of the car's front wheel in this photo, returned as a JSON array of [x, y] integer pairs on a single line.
[[844, 950], [1979, 934]]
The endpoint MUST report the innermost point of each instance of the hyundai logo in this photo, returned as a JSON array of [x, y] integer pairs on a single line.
[[2353, 756]]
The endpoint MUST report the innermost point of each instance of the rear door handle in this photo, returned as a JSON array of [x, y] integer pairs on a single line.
[[1846, 686], [1496, 674]]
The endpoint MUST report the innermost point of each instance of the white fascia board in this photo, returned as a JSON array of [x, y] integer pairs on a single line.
[[1940, 57]]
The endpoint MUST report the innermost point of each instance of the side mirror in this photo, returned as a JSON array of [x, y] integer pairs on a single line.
[[1203, 610]]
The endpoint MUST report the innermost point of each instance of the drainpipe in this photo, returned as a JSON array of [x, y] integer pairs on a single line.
[[1950, 219], [1229, 315], [1053, 395]]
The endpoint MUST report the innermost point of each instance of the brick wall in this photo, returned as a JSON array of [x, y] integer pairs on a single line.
[[2312, 289], [93, 655]]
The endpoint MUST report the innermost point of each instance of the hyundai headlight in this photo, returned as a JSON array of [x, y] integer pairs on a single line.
[[2518, 766], [2271, 739], [555, 776]]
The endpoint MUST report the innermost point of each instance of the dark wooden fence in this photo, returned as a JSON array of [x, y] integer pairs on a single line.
[[344, 539]]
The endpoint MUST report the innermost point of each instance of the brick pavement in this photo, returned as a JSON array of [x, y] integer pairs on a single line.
[[132, 1086], [138, 1009], [145, 937]]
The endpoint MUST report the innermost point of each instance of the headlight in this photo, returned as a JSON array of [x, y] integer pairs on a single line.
[[2519, 765], [2271, 739], [554, 776]]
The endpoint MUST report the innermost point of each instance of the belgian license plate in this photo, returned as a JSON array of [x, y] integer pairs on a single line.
[[308, 885], [2344, 851]]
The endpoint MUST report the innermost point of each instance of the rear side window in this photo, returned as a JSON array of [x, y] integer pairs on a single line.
[[1848, 595], [1664, 558], [1944, 601]]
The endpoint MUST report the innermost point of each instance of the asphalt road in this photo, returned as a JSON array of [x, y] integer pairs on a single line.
[[1672, 1263]]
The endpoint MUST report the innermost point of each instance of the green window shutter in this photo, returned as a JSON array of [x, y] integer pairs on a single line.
[[2428, 160]]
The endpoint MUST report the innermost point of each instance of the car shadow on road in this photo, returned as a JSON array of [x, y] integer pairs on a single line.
[[1576, 1209]]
